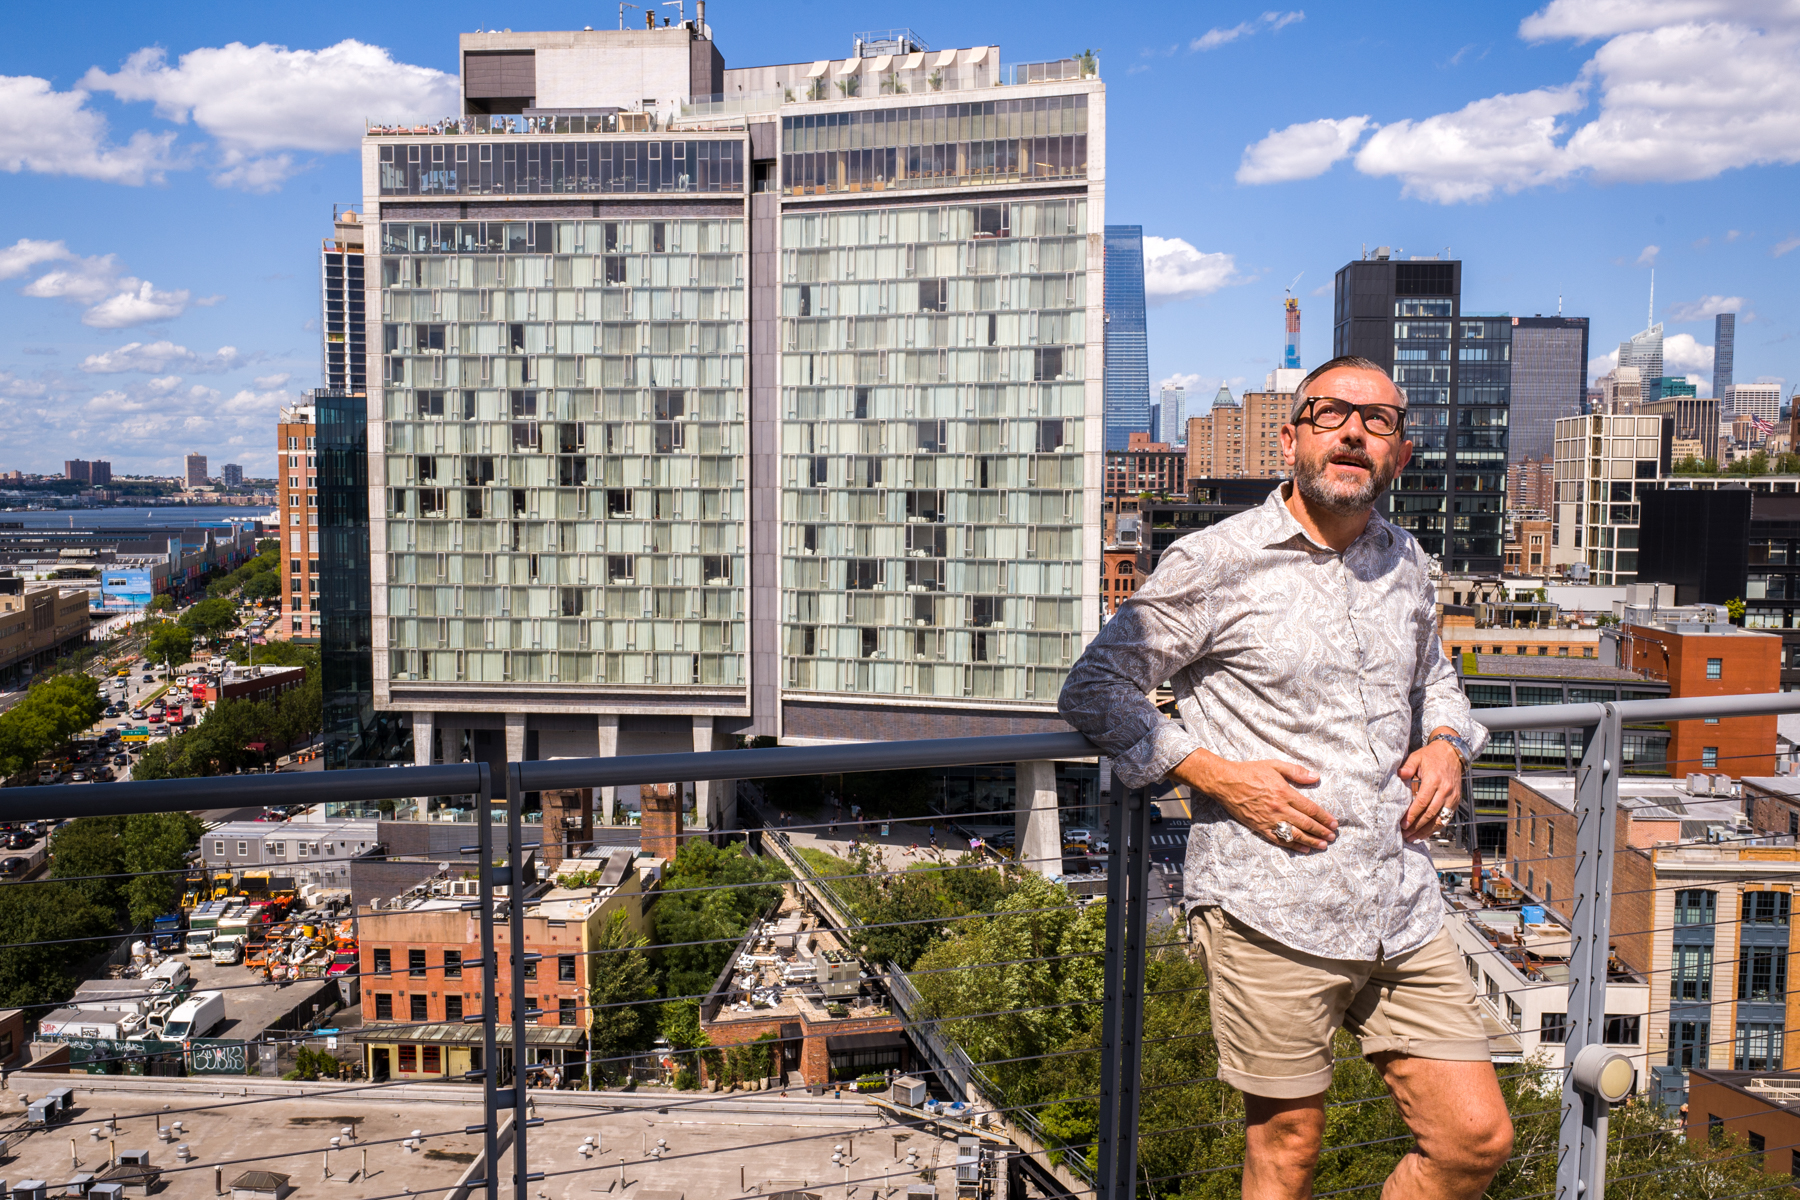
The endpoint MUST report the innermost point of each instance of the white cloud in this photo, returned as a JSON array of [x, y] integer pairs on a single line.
[[1218, 36], [1506, 142], [259, 102], [27, 253], [1706, 306], [1601, 365], [1792, 242], [1175, 270], [1300, 151], [1647, 256], [1680, 90], [55, 133], [1187, 383], [1584, 20], [154, 357], [23, 389], [269, 383], [1702, 385], [164, 385], [113, 300], [1681, 351], [135, 308]]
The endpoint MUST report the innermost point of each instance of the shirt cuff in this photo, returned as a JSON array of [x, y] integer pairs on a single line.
[[1457, 718], [1155, 754]]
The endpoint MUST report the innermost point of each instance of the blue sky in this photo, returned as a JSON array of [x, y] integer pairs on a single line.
[[169, 169]]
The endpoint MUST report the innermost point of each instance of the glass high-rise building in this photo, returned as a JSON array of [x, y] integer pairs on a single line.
[[1724, 352], [344, 346], [1456, 369], [1645, 352], [1549, 380], [715, 402], [1127, 338]]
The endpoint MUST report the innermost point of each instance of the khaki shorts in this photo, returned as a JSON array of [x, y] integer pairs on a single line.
[[1275, 1009]]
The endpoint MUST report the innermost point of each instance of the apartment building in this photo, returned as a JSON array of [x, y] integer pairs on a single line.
[[1239, 438], [297, 491], [717, 401], [194, 470], [1603, 465], [344, 349], [37, 624], [1708, 658], [1144, 466]]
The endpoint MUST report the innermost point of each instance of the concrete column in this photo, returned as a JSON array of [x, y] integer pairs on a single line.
[[714, 799], [608, 731], [515, 737], [423, 725], [1038, 829]]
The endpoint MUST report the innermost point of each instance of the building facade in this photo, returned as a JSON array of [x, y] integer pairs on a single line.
[[1724, 352], [1530, 484], [343, 355], [231, 475], [1144, 466], [1696, 431], [1456, 370], [194, 470], [1752, 400], [37, 625], [1604, 466], [97, 473], [1239, 439], [1549, 380], [785, 420], [1127, 338], [297, 489], [1644, 353]]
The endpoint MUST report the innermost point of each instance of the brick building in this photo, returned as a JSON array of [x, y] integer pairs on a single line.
[[1530, 484], [297, 491], [1711, 659], [1527, 548], [825, 1010], [1238, 439], [1760, 1112], [1145, 466]]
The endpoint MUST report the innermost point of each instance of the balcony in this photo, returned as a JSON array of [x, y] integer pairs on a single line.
[[1050, 1009]]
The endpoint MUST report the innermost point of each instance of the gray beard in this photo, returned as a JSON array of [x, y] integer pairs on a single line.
[[1310, 480]]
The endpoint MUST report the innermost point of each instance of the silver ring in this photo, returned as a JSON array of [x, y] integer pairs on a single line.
[[1284, 831], [1445, 816]]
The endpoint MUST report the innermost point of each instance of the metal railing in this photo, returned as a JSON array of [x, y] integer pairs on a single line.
[[1122, 1087]]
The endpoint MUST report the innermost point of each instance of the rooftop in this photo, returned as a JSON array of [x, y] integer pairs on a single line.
[[791, 966], [1541, 666]]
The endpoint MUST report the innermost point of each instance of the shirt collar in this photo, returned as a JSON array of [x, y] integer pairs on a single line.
[[1379, 532]]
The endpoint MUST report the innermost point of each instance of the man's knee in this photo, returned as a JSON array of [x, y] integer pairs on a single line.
[[1477, 1151], [1285, 1134]]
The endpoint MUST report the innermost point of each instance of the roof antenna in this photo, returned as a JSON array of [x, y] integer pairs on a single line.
[[1652, 320], [1559, 304]]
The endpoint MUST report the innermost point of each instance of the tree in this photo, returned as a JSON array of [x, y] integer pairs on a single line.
[[56, 708], [713, 912], [156, 848], [169, 644], [209, 618], [622, 977], [34, 973], [1734, 608], [264, 585], [161, 604]]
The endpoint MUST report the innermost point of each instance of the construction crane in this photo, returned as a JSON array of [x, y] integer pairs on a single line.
[[1290, 356]]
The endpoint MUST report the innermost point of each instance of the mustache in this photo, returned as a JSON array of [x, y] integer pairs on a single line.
[[1351, 454]]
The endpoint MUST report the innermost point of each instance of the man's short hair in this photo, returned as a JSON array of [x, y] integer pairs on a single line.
[[1356, 361]]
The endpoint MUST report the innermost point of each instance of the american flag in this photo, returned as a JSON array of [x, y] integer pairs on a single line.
[[1763, 425]]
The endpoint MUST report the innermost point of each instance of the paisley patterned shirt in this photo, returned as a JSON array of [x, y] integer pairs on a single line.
[[1279, 648]]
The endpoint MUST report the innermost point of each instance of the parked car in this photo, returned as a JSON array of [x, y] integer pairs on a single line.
[[13, 868], [19, 840]]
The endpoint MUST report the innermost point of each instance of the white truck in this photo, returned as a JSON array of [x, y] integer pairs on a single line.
[[91, 1023], [199, 943], [197, 1016], [169, 975], [228, 949]]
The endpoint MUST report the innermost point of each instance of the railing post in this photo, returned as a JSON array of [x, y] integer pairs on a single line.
[[515, 908], [1580, 1148], [1122, 1019], [490, 1001]]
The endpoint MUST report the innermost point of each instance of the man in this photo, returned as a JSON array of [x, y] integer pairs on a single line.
[[1324, 736]]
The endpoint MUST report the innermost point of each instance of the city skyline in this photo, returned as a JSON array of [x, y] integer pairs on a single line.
[[134, 340]]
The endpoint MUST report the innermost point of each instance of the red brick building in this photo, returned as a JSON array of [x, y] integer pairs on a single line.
[[1145, 466], [1719, 661]]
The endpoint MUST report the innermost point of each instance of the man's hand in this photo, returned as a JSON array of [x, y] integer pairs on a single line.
[[1435, 771], [1258, 794]]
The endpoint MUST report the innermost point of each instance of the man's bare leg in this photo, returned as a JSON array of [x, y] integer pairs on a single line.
[[1459, 1121], [1282, 1139]]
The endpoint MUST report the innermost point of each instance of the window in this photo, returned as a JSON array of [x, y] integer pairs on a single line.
[[433, 1064], [453, 964], [1553, 1027], [218, 849], [1688, 1043], [565, 968], [419, 1011], [1762, 973], [1695, 907], [1765, 908], [531, 970], [409, 1058], [565, 1011], [453, 1007], [1621, 1029], [243, 849], [1690, 973], [384, 1006], [384, 961], [1714, 668], [1709, 757], [1758, 1046], [415, 963]]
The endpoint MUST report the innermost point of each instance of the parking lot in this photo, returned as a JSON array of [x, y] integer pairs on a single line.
[[253, 1006]]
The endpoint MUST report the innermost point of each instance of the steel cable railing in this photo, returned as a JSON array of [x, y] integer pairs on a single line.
[[1047, 1071]]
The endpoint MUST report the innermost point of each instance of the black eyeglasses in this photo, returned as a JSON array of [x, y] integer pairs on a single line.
[[1328, 412]]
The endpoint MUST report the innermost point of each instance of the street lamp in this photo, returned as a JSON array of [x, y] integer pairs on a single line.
[[1603, 1078]]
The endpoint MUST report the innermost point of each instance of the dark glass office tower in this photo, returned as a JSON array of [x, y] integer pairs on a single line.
[[1549, 380], [1456, 369], [1127, 337], [1724, 350], [355, 734]]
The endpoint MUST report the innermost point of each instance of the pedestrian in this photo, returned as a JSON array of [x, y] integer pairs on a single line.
[[1324, 737]]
